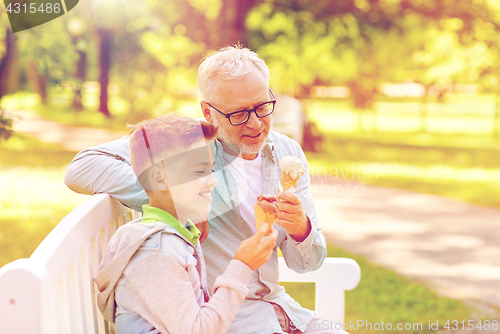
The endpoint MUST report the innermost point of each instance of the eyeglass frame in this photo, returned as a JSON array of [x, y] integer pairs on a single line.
[[273, 101]]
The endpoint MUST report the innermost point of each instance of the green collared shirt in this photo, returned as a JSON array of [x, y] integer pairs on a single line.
[[153, 215]]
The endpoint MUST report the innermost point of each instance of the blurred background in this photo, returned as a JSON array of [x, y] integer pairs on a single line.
[[409, 88]]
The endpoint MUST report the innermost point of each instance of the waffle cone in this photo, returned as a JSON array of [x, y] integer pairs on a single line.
[[287, 181], [262, 217]]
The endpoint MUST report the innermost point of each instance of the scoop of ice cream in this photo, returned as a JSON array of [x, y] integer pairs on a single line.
[[292, 166], [268, 203]]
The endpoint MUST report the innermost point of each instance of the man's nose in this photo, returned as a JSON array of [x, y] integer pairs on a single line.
[[253, 121]]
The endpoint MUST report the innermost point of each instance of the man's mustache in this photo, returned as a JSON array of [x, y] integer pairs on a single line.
[[253, 134]]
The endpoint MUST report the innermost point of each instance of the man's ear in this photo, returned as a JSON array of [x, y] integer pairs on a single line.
[[205, 109], [157, 180]]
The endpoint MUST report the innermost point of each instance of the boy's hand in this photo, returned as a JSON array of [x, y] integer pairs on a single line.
[[256, 250]]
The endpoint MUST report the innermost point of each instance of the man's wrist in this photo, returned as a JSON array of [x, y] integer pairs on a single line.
[[299, 237]]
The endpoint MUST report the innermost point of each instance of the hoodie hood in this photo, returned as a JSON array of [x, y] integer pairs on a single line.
[[121, 248]]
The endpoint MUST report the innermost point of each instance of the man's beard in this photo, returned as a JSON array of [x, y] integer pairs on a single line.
[[224, 137]]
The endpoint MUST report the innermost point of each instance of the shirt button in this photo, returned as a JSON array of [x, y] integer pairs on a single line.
[[232, 198]]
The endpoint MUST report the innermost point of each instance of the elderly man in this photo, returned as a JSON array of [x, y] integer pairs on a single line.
[[235, 96]]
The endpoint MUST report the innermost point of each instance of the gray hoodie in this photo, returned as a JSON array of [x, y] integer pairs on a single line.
[[151, 273]]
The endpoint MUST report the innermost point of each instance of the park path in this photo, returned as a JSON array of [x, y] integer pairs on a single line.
[[71, 138], [451, 246]]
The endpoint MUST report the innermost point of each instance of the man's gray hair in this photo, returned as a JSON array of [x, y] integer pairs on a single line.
[[228, 63]]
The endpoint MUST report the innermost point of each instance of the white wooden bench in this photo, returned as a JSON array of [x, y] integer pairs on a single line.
[[53, 291]]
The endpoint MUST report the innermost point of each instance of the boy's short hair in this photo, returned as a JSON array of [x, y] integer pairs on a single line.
[[165, 136]]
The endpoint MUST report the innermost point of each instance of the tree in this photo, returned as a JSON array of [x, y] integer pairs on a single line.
[[364, 43], [36, 80], [105, 19], [7, 61], [5, 126], [104, 40], [233, 16], [47, 58], [76, 27]]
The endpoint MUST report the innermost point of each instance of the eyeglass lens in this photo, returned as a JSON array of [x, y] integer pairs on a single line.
[[262, 111]]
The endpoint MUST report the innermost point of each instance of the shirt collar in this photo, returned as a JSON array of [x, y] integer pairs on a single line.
[[153, 215], [268, 149]]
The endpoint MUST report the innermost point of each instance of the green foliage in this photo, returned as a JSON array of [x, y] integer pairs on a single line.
[[20, 101], [52, 53], [442, 67], [5, 126], [157, 46], [364, 43]]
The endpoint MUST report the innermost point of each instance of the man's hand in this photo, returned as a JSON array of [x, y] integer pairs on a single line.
[[292, 216]]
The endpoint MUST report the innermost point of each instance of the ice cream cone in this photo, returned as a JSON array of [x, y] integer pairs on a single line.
[[262, 217], [287, 181], [291, 171]]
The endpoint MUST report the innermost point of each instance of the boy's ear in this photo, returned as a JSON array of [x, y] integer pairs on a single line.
[[205, 109], [157, 180]]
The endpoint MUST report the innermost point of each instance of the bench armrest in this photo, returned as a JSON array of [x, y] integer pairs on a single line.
[[335, 276]]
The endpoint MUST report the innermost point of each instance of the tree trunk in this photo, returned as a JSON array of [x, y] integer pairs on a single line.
[[238, 29], [496, 119], [81, 69], [7, 62], [362, 96], [360, 119], [232, 19], [223, 24], [37, 81], [14, 83], [104, 43], [423, 112]]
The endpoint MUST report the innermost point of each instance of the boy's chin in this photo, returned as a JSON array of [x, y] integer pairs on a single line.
[[207, 210], [203, 210]]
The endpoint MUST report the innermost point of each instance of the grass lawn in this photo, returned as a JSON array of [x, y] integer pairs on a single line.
[[34, 197], [460, 114], [59, 108], [464, 167], [468, 174]]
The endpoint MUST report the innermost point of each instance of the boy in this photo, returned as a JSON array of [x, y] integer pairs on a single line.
[[153, 267]]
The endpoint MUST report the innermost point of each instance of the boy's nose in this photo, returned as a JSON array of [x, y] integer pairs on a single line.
[[211, 180]]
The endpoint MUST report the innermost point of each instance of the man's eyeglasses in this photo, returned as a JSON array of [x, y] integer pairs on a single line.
[[241, 116]]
